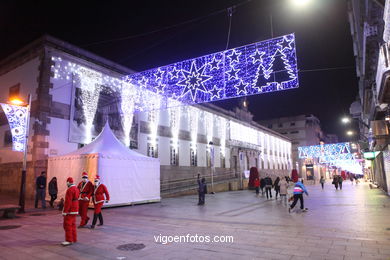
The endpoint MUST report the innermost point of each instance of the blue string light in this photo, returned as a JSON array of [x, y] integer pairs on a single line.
[[256, 68]]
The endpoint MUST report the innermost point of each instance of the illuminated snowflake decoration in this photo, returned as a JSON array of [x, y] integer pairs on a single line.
[[256, 68], [17, 119]]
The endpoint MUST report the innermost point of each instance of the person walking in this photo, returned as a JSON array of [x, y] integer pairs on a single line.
[[299, 189], [340, 180], [268, 186], [41, 190], [335, 182], [70, 211], [53, 191], [256, 184], [277, 187], [262, 186], [322, 181], [202, 190], [283, 187], [99, 193], [86, 189]]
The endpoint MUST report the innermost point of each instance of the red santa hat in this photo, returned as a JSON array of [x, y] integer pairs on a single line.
[[70, 180], [84, 175], [97, 177]]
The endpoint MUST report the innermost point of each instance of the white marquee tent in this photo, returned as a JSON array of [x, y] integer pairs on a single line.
[[130, 177]]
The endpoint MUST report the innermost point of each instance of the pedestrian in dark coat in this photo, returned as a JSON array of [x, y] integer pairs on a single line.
[[262, 185], [53, 191], [322, 181], [335, 182], [340, 180], [40, 190], [268, 186], [202, 190], [277, 187]]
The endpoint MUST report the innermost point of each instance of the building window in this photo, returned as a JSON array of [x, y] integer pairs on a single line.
[[280, 125], [284, 133], [223, 164], [152, 116], [14, 91], [174, 156], [152, 151], [294, 132], [193, 159], [7, 138], [292, 124], [270, 126]]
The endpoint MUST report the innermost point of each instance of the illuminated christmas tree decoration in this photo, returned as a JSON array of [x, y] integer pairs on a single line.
[[17, 119], [257, 68]]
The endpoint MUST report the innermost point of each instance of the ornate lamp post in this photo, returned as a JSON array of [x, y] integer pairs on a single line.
[[18, 115]]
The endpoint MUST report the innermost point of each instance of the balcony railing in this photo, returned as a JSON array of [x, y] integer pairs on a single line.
[[383, 74]]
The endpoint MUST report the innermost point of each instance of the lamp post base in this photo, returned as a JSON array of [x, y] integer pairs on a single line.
[[22, 194]]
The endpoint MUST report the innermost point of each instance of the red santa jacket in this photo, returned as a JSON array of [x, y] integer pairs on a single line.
[[99, 192], [85, 191], [71, 204]]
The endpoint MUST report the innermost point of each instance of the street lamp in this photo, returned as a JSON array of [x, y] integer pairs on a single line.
[[300, 2], [22, 195], [346, 120], [350, 133]]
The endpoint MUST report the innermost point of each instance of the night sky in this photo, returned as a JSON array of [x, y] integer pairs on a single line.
[[148, 34]]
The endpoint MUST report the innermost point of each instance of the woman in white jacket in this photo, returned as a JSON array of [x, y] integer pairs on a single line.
[[283, 184]]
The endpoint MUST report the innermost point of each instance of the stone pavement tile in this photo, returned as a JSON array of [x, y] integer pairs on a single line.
[[315, 255], [320, 242], [276, 256], [318, 249], [376, 256], [338, 247], [363, 258], [282, 246], [345, 252], [365, 249], [385, 251], [296, 252]]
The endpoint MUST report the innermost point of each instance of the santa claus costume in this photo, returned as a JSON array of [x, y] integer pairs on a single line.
[[86, 189], [70, 211], [100, 191]]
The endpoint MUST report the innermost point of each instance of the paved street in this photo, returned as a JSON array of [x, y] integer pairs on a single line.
[[350, 224]]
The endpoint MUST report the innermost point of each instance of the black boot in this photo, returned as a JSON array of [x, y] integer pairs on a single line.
[[95, 216], [100, 219]]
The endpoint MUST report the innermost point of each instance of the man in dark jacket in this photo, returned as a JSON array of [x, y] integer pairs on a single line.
[[40, 188], [53, 190], [262, 185], [202, 190], [340, 180], [268, 186]]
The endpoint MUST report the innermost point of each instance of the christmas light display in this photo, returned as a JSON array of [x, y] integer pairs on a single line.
[[127, 107], [193, 120], [257, 68], [338, 155], [17, 119]]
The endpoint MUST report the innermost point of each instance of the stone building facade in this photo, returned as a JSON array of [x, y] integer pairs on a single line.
[[187, 140]]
